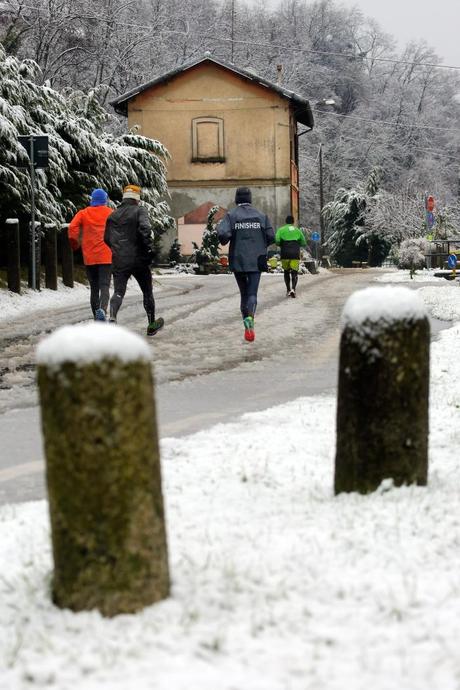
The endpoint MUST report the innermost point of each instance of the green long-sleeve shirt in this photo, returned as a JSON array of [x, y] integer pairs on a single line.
[[290, 239]]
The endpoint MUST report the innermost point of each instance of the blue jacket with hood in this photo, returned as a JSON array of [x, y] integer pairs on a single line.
[[249, 232]]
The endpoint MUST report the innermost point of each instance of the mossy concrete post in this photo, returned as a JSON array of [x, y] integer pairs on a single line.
[[103, 469], [382, 409]]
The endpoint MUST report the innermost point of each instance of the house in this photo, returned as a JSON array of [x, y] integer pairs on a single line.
[[224, 127]]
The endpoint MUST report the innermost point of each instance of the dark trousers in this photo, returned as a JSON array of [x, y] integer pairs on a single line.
[[287, 279], [248, 284], [99, 281], [143, 276]]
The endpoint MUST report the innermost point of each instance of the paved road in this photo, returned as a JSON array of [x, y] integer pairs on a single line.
[[204, 371]]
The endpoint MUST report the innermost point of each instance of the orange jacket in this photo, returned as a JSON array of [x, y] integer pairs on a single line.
[[90, 224]]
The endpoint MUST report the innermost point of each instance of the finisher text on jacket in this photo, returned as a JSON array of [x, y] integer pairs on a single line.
[[245, 226]]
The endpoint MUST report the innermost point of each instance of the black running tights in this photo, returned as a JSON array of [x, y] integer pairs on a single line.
[[99, 280], [143, 276]]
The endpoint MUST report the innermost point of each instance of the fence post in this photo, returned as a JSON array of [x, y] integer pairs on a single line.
[[51, 256], [14, 256], [38, 260], [66, 256], [382, 409], [103, 469]]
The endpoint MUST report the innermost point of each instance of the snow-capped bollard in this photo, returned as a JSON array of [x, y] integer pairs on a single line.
[[382, 409], [103, 469]]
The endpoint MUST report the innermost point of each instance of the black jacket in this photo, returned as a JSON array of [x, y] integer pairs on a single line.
[[249, 232], [129, 235]]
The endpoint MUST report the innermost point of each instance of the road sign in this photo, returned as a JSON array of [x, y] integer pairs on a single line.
[[315, 237], [452, 261], [429, 203], [37, 145], [430, 219]]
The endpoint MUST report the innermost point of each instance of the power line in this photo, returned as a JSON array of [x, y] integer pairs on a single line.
[[343, 55], [411, 147], [385, 122], [284, 48]]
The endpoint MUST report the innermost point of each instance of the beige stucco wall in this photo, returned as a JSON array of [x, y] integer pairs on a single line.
[[256, 125], [274, 200], [257, 151]]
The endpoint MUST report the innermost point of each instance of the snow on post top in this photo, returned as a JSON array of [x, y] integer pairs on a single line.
[[91, 342], [382, 304]]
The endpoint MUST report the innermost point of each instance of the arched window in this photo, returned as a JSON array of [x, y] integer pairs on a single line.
[[208, 140]]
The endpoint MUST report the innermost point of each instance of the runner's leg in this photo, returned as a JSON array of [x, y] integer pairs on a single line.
[[93, 276], [253, 280], [105, 273], [287, 280], [143, 275], [120, 280], [242, 282]]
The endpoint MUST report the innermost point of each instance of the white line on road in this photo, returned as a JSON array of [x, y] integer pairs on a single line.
[[20, 470]]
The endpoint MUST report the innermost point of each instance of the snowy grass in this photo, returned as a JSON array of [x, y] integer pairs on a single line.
[[277, 584], [13, 306], [424, 275]]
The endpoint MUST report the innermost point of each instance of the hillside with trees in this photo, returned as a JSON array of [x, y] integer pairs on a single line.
[[374, 107]]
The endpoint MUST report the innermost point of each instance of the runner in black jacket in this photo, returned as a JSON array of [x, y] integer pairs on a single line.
[[249, 232], [129, 235]]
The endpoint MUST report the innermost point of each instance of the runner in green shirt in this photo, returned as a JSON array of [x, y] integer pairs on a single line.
[[290, 239]]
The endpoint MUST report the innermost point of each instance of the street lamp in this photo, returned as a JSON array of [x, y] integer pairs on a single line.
[[322, 102]]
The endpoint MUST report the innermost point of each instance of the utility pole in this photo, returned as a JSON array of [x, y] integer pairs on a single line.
[[321, 197], [232, 33], [32, 214]]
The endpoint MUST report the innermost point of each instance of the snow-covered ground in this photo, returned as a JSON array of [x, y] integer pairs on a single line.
[[277, 584], [30, 301]]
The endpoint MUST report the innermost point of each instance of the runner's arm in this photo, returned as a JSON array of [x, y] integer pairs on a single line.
[[269, 232], [107, 233], [224, 230], [145, 230], [74, 230]]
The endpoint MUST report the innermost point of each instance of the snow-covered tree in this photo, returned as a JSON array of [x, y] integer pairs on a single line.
[[397, 216], [82, 155], [348, 236], [208, 252], [412, 254], [391, 108], [174, 255]]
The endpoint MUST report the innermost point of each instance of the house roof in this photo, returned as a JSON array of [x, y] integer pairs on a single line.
[[301, 106], [200, 215]]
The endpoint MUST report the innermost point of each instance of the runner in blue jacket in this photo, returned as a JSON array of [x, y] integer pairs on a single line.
[[249, 232]]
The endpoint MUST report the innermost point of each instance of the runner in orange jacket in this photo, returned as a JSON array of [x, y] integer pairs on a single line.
[[87, 228]]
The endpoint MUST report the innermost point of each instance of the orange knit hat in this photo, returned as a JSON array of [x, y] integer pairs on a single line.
[[132, 191]]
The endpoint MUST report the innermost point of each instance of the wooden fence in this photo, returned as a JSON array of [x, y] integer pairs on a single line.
[[52, 249]]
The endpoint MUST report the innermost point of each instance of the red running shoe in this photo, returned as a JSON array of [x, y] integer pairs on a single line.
[[249, 334]]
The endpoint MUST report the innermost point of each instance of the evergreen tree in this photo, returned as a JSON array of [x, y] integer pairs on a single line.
[[174, 252], [82, 155], [349, 237], [209, 250]]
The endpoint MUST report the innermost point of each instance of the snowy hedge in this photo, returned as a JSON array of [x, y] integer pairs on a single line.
[[82, 155]]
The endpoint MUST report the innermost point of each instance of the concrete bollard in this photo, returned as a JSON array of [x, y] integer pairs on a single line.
[[103, 469], [382, 410]]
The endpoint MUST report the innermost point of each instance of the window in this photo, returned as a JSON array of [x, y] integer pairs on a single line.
[[208, 140]]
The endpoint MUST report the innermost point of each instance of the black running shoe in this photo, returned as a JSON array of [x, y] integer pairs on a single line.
[[155, 326]]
